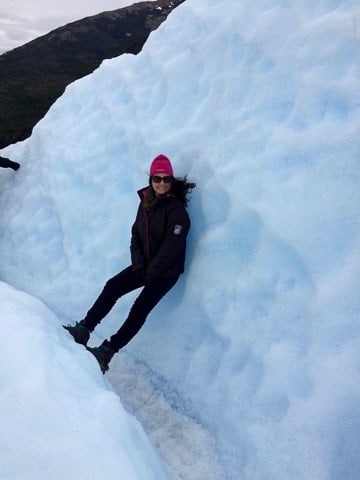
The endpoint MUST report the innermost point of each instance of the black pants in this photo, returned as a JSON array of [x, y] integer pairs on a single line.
[[123, 283]]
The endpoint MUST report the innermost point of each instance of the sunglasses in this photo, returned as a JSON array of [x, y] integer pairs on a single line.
[[158, 179]]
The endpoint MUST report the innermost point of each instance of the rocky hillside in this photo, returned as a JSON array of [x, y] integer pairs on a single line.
[[34, 75]]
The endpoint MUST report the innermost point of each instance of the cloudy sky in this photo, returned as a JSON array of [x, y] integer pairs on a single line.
[[24, 20]]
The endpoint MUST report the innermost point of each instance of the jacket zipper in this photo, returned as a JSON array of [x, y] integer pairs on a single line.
[[147, 232]]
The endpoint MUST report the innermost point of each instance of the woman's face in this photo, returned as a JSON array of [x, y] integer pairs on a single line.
[[161, 183]]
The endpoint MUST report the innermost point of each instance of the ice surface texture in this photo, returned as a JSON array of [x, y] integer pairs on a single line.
[[259, 103]]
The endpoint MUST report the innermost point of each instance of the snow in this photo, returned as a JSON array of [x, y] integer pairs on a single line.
[[249, 368]]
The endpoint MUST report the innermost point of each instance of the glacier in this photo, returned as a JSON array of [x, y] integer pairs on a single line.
[[249, 368]]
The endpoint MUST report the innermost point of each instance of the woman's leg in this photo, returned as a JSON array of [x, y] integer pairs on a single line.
[[119, 285], [145, 302]]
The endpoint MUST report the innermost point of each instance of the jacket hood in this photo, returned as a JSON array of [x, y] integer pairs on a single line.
[[144, 191]]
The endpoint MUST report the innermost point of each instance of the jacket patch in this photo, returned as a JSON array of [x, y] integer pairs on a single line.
[[177, 229]]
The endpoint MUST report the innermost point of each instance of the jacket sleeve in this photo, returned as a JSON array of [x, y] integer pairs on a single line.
[[174, 243], [136, 248], [6, 163]]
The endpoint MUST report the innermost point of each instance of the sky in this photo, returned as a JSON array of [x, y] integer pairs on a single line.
[[24, 20], [249, 367]]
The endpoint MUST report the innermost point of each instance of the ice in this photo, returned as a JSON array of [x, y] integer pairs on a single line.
[[59, 418], [254, 354]]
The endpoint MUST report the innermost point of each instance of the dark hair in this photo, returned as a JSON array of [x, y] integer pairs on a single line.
[[181, 188]]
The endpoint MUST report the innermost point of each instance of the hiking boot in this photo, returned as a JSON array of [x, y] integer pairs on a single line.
[[103, 354], [79, 331]]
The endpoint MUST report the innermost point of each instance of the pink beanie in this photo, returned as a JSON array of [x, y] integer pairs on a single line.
[[161, 164]]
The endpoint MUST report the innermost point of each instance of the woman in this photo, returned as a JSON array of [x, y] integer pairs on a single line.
[[158, 244]]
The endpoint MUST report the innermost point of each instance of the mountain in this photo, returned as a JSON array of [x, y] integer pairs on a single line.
[[34, 75]]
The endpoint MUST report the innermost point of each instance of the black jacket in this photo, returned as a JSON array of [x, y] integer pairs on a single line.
[[6, 163], [158, 240]]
